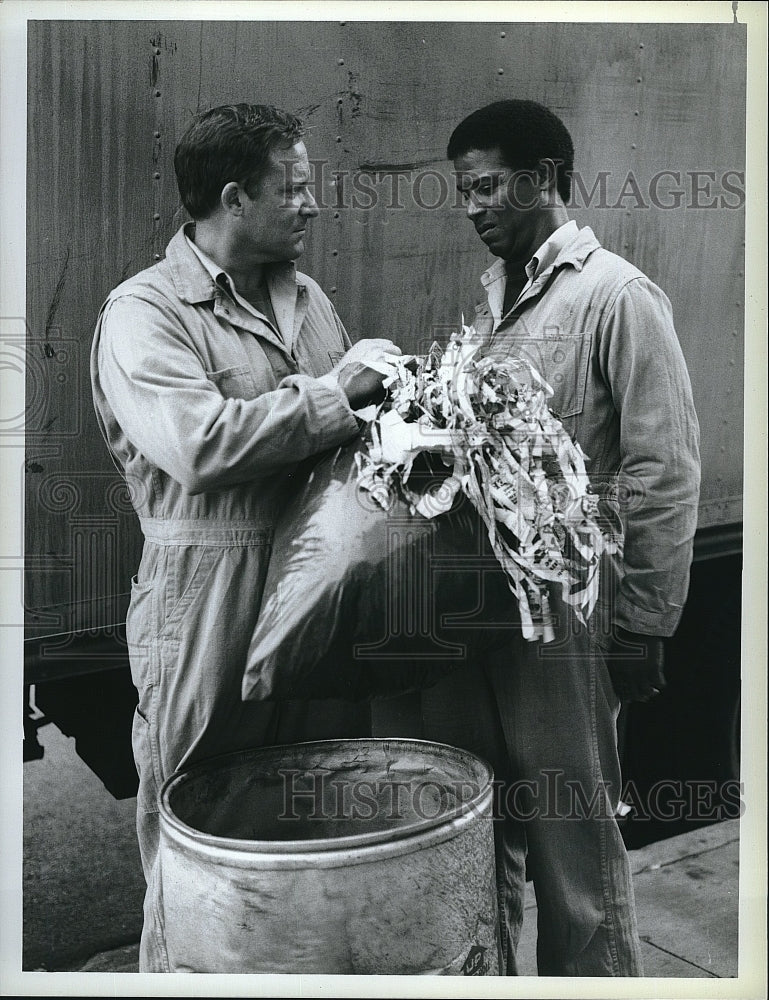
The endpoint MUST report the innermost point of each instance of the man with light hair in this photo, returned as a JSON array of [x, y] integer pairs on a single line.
[[214, 373]]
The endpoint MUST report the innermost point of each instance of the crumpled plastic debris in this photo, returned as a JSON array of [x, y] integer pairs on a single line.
[[489, 421]]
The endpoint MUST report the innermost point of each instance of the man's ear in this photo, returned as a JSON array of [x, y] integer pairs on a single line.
[[231, 198], [547, 178]]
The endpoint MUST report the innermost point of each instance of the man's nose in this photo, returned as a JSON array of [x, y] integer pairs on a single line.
[[310, 205], [473, 208]]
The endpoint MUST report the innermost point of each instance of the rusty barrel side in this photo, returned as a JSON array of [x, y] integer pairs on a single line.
[[362, 857]]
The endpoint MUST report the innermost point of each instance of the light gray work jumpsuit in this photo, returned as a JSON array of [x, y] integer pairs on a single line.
[[544, 715], [207, 408]]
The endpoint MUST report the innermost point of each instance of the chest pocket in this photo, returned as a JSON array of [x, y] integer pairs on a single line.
[[563, 363], [234, 383]]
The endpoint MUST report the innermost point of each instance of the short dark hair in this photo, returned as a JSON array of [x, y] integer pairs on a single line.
[[524, 132], [230, 143]]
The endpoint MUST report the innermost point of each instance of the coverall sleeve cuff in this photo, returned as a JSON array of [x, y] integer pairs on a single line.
[[334, 407], [635, 619]]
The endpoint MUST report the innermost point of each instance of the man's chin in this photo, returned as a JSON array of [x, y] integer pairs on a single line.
[[289, 255], [494, 246]]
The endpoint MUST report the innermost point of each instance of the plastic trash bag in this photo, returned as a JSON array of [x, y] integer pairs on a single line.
[[361, 602]]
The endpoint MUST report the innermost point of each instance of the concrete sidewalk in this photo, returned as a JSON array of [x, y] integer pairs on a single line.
[[686, 891]]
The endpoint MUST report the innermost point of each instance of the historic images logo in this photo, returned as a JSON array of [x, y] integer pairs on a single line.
[[476, 963]]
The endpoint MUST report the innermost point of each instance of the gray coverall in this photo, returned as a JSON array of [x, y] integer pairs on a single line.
[[207, 408]]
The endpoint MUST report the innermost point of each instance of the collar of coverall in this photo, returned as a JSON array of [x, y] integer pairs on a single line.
[[194, 283], [575, 253]]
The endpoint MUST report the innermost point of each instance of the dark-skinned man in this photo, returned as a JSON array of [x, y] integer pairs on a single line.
[[602, 335]]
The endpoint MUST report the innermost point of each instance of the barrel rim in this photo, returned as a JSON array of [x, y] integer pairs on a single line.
[[445, 824]]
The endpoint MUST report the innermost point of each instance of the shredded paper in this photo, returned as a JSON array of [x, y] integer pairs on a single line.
[[489, 421]]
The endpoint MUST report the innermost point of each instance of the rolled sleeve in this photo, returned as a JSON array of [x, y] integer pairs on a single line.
[[659, 477], [175, 415]]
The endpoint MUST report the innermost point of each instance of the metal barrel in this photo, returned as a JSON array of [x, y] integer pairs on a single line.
[[371, 856]]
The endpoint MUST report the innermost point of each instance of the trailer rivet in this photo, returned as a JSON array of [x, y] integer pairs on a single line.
[[340, 62]]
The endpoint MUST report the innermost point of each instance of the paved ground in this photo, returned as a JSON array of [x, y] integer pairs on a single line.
[[687, 903], [83, 885], [82, 879]]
